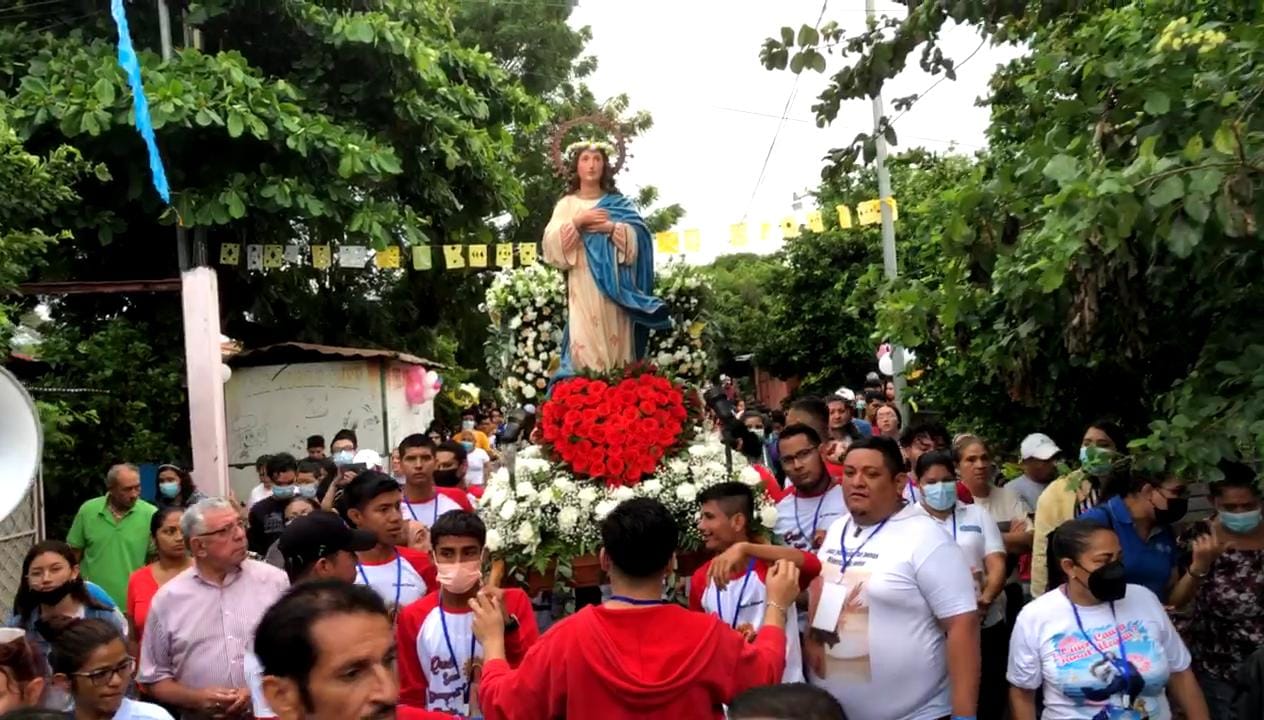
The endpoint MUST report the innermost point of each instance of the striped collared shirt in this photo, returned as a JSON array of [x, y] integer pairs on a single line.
[[198, 632]]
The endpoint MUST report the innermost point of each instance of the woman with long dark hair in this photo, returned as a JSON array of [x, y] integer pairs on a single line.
[[91, 664], [175, 488], [1099, 647], [171, 558]]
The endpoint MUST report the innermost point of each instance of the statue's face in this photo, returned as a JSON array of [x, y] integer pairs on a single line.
[[590, 165]]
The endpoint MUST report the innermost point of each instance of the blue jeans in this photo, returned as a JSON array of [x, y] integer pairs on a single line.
[[1219, 696]]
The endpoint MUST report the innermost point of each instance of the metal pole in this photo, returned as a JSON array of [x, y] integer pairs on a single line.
[[890, 265], [164, 29]]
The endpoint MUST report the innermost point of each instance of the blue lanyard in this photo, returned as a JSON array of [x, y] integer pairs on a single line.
[[842, 543], [447, 639], [399, 580], [1123, 651], [954, 523], [636, 601], [412, 512], [719, 605], [912, 491], [816, 516]]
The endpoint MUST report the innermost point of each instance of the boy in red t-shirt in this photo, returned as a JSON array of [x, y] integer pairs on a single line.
[[732, 585], [634, 656]]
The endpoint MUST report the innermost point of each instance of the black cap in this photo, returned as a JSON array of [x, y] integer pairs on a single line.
[[320, 534]]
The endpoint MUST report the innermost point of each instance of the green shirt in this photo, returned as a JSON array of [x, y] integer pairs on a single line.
[[112, 548]]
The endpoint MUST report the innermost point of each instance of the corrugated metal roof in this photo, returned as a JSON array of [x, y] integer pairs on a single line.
[[295, 352]]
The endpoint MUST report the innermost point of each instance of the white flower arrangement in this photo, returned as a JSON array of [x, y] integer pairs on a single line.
[[577, 147], [542, 512], [527, 306]]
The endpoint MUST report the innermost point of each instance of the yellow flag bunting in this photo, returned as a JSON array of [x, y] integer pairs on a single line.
[[361, 257], [744, 235]]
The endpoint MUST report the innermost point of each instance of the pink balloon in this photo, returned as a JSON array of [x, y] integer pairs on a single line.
[[414, 385]]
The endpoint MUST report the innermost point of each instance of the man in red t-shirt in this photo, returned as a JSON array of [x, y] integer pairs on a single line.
[[635, 656], [733, 584]]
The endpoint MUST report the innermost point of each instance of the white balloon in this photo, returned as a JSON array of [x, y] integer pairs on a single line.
[[886, 365], [225, 372]]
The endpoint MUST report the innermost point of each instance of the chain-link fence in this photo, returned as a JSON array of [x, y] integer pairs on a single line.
[[18, 533]]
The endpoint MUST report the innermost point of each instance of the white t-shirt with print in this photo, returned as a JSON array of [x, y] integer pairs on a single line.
[[1048, 649], [901, 579], [976, 533], [398, 581], [799, 519], [475, 460], [428, 512], [748, 597]]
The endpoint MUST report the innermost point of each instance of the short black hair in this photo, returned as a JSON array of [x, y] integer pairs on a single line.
[[796, 429], [1069, 540], [732, 497], [937, 433], [814, 406], [791, 701], [640, 536], [362, 490], [1236, 475], [160, 516], [315, 441], [890, 450], [1113, 431], [754, 414], [281, 462], [416, 440], [458, 523], [778, 417], [75, 639], [283, 641], [457, 450], [311, 467], [346, 434], [261, 462], [928, 460]]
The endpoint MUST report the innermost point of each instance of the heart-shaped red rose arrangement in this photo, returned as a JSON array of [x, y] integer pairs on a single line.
[[614, 430]]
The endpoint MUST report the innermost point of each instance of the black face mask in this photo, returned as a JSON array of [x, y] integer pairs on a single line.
[[57, 594], [1108, 583], [446, 478], [1175, 510]]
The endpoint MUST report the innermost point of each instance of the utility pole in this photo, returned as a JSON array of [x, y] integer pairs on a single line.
[[890, 263], [199, 301]]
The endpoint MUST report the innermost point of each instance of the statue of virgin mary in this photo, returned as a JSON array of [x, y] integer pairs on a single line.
[[599, 239]]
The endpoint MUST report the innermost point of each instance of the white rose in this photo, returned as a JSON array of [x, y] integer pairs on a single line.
[[768, 515], [566, 519], [546, 498], [501, 475], [532, 463], [495, 497], [587, 495], [686, 492], [526, 534], [508, 509], [528, 391], [603, 509], [699, 451], [653, 486], [750, 476], [563, 484], [493, 539], [524, 490], [515, 322], [529, 452], [534, 365], [678, 466], [623, 492], [664, 359]]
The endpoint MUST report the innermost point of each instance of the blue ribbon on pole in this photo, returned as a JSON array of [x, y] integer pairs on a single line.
[[144, 124]]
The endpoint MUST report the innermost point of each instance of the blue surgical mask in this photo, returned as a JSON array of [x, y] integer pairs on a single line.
[[1240, 522], [307, 491], [344, 457], [282, 492], [169, 489], [467, 425], [941, 496], [469, 446]]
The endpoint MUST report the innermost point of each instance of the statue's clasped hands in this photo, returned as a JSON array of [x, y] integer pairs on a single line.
[[593, 220]]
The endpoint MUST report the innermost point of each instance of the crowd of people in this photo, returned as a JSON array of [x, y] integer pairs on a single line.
[[904, 578]]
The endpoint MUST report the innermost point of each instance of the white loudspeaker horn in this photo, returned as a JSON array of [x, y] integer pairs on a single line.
[[21, 443]]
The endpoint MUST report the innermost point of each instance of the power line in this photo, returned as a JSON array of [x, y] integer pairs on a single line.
[[29, 6], [785, 112], [806, 121], [941, 79]]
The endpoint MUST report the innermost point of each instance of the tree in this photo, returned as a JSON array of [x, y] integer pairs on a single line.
[[741, 302], [1105, 255]]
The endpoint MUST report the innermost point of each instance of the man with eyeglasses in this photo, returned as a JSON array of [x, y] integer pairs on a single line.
[[814, 499], [201, 622]]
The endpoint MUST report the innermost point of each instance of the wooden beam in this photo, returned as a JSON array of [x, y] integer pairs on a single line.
[[105, 287]]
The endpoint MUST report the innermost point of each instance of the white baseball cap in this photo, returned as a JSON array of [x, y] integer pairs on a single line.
[[371, 459], [1038, 446]]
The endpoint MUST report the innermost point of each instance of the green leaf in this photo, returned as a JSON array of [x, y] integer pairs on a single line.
[[1171, 189], [104, 90], [1224, 141], [787, 36], [817, 62], [796, 64], [359, 30], [1183, 237], [1157, 103], [808, 36], [1062, 169], [1194, 148], [1197, 207], [235, 124], [1205, 182]]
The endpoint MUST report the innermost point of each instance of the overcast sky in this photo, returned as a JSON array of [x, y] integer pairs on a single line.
[[695, 66]]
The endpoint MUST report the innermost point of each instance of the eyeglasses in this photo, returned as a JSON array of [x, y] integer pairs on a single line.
[[226, 531], [41, 573], [102, 677], [799, 457]]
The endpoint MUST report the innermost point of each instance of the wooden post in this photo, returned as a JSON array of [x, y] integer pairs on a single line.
[[208, 433]]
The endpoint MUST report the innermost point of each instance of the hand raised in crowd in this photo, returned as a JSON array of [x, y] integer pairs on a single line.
[[726, 564], [1206, 549], [498, 594], [782, 583], [489, 618]]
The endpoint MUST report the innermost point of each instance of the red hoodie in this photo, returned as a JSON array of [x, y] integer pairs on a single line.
[[661, 661]]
